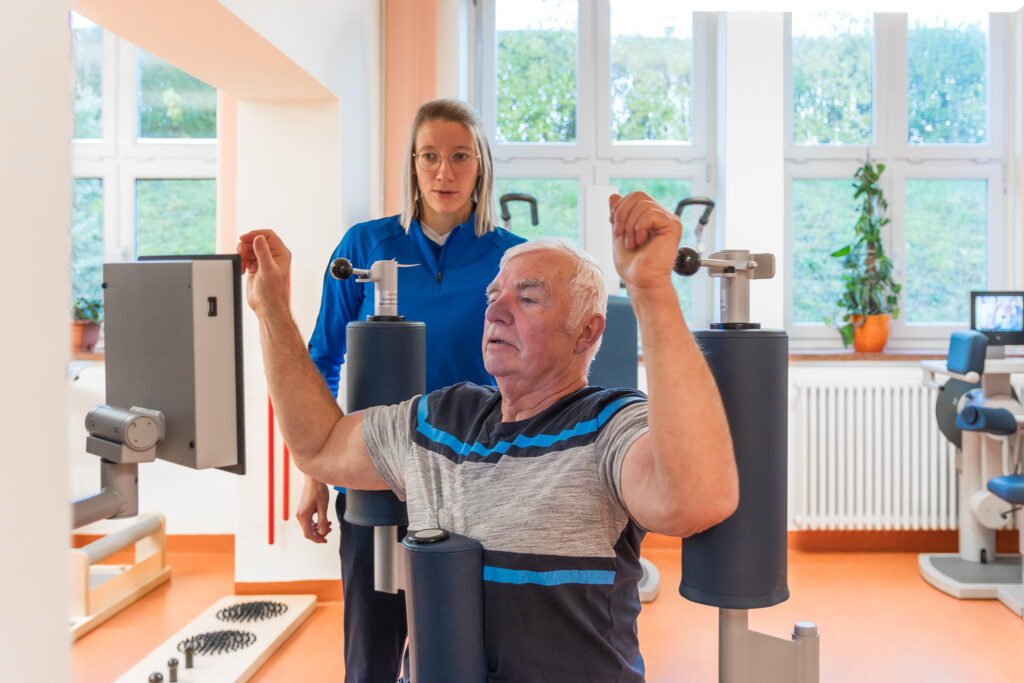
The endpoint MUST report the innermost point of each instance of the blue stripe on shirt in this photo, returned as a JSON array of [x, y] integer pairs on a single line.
[[541, 440], [551, 578]]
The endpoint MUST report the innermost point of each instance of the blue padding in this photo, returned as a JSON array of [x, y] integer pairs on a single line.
[[992, 420], [966, 352], [1009, 488]]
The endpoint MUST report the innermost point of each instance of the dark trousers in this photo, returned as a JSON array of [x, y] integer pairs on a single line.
[[375, 626]]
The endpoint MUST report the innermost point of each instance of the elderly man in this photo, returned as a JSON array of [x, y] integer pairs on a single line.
[[558, 480]]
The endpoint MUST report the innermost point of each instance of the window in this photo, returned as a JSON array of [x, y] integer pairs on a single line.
[[579, 97], [143, 158], [926, 96]]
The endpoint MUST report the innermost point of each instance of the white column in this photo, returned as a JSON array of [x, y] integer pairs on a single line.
[[751, 150], [35, 203]]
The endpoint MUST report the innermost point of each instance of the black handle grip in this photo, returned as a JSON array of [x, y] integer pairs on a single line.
[[699, 201], [687, 261], [518, 197], [341, 268]]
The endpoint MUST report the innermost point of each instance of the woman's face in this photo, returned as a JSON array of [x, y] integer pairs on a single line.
[[447, 193]]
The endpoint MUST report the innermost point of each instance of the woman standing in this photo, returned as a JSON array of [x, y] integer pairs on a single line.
[[447, 228]]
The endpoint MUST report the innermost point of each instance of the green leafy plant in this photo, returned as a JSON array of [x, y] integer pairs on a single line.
[[87, 309], [868, 285]]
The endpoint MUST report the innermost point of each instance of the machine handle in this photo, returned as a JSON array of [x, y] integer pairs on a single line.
[[699, 201], [518, 197], [687, 261]]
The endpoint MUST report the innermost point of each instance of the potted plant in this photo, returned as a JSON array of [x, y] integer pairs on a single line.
[[85, 329], [870, 295]]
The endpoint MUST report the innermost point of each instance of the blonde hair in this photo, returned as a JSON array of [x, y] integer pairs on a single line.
[[456, 111], [587, 288]]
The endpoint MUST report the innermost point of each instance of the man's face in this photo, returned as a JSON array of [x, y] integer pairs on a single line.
[[525, 325]]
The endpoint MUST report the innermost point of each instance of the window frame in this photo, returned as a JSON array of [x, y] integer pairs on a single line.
[[121, 157], [593, 159], [904, 161]]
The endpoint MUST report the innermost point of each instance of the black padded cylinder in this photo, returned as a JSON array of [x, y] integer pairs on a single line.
[[386, 363], [741, 563], [444, 605]]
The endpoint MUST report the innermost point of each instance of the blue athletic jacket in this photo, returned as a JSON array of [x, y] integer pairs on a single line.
[[445, 290]]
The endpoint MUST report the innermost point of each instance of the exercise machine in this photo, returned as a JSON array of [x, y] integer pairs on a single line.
[[174, 392], [978, 411], [740, 564]]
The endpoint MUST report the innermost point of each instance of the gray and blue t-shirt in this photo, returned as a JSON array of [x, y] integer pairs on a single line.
[[542, 495]]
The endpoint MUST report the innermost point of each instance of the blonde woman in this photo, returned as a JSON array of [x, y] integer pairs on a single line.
[[447, 227]]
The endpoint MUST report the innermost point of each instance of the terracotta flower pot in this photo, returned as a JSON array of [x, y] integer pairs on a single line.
[[872, 335], [84, 335]]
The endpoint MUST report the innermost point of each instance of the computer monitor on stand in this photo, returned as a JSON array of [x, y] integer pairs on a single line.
[[1000, 317]]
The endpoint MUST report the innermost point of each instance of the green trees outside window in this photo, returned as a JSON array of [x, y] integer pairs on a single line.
[[536, 72], [173, 104], [87, 238], [87, 57], [176, 217], [832, 78]]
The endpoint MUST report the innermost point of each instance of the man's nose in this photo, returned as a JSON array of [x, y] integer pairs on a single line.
[[496, 311]]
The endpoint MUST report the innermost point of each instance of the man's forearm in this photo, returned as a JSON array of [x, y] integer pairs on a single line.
[[304, 407], [693, 460]]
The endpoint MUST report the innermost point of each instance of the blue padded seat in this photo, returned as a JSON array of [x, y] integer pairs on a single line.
[[1010, 488]]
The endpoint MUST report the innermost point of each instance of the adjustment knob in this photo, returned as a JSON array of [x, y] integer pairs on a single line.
[[341, 268], [687, 261]]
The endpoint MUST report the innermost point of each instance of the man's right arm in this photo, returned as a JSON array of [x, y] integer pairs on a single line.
[[324, 443]]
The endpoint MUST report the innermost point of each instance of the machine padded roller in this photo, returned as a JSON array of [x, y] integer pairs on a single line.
[[991, 420]]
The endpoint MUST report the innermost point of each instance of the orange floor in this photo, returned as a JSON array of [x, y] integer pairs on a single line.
[[879, 621]]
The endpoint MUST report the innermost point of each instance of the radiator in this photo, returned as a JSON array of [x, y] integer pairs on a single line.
[[869, 455]]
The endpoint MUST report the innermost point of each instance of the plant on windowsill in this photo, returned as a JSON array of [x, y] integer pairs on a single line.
[[870, 295], [85, 328]]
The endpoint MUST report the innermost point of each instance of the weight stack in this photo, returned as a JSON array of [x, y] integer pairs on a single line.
[[741, 563], [385, 364]]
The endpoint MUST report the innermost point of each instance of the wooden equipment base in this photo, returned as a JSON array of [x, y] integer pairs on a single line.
[[231, 667]]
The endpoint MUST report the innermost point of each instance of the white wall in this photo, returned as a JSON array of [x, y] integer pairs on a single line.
[[751, 185], [35, 126], [289, 179], [311, 33]]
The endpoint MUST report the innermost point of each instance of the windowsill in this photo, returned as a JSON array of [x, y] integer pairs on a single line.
[[897, 355], [87, 355]]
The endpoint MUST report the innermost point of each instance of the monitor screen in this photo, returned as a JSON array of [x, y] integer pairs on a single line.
[[999, 315]]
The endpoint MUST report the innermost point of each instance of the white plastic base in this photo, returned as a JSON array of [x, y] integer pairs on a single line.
[[650, 582], [233, 667]]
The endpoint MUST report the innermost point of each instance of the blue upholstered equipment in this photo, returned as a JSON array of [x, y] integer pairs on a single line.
[[1010, 488], [991, 420], [967, 352]]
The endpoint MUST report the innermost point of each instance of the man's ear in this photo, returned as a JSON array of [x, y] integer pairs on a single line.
[[590, 333]]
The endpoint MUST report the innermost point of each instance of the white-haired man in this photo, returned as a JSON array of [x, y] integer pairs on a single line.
[[558, 480]]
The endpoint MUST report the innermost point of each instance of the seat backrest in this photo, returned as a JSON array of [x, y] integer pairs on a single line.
[[615, 365], [967, 352]]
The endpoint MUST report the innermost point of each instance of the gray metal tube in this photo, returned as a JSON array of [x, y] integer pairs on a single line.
[[103, 548], [808, 656], [385, 559], [89, 509], [118, 496], [733, 658]]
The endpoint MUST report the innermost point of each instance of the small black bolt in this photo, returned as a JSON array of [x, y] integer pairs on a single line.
[[172, 670], [156, 677]]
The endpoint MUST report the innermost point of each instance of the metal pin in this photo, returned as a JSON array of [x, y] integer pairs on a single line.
[[172, 670]]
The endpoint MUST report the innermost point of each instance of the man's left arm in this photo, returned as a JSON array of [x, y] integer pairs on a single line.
[[679, 478]]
